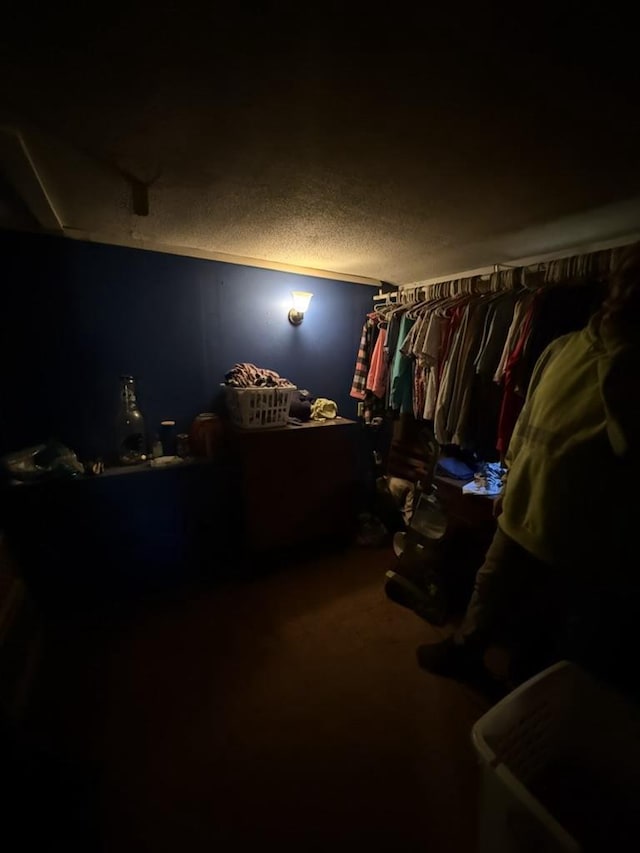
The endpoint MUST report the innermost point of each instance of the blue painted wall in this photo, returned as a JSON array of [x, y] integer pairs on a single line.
[[77, 315]]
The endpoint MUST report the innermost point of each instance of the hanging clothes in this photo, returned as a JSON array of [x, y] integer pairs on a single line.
[[462, 354], [562, 309], [393, 333], [457, 331], [363, 359], [377, 375], [497, 322], [519, 312], [458, 417], [400, 397], [419, 389], [513, 399]]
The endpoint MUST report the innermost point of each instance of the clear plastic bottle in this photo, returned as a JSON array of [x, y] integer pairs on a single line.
[[156, 448], [130, 430]]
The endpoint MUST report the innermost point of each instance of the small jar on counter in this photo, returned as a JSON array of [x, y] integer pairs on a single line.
[[182, 445], [168, 437], [206, 434]]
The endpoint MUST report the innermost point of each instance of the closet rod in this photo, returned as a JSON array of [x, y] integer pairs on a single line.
[[585, 249]]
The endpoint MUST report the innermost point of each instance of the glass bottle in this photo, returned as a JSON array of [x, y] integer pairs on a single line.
[[130, 431]]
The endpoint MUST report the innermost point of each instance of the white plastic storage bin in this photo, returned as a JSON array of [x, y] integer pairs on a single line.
[[259, 408], [560, 759]]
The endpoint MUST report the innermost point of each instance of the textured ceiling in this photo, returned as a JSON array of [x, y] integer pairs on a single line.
[[391, 150]]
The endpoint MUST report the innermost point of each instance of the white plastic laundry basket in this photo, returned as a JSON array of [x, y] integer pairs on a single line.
[[560, 759], [259, 408]]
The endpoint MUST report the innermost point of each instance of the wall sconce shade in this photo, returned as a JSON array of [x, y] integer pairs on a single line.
[[300, 300]]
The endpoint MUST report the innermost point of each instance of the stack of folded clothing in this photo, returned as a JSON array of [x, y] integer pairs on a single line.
[[247, 375]]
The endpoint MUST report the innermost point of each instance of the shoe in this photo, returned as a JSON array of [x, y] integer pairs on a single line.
[[449, 659], [462, 663]]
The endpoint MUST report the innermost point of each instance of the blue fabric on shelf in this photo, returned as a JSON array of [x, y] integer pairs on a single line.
[[456, 468]]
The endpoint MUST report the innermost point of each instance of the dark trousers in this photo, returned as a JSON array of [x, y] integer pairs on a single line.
[[542, 613], [518, 601]]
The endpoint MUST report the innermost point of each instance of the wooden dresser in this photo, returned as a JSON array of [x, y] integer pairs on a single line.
[[298, 483]]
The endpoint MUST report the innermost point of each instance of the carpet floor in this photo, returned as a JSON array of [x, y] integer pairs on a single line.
[[286, 711]]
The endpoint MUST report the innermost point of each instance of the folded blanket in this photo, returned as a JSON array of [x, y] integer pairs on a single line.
[[247, 375]]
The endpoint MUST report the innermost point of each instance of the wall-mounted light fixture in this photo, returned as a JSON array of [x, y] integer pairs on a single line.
[[301, 300]]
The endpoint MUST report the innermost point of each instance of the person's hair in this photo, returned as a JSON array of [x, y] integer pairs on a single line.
[[621, 308]]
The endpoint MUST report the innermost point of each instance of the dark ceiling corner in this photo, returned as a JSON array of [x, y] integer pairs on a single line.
[[14, 213]]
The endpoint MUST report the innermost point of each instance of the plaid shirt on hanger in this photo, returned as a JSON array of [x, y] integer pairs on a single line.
[[363, 361]]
